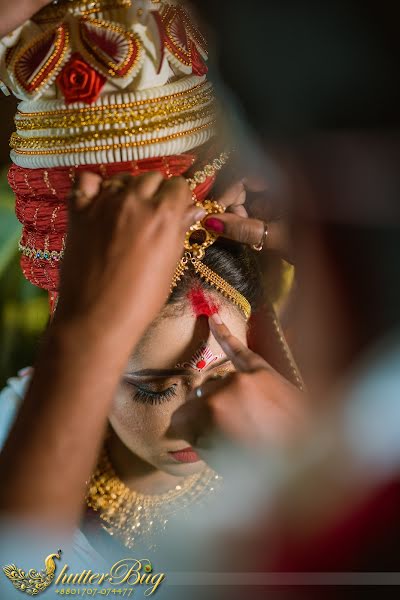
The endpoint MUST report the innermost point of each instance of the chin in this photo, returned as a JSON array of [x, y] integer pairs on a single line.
[[184, 469]]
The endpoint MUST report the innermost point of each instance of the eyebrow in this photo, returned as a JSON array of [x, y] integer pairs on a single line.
[[165, 373]]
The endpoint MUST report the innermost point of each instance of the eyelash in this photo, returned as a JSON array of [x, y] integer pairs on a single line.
[[149, 397]]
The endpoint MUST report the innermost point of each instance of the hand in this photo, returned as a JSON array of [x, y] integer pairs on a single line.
[[254, 406], [14, 14], [235, 224], [125, 239]]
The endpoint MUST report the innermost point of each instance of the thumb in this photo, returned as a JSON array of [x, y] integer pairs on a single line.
[[237, 228], [192, 215]]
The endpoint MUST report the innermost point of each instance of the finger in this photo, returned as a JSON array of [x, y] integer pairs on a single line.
[[238, 210], [243, 359], [144, 186], [147, 186], [190, 421], [194, 418], [175, 195], [233, 195], [116, 183], [209, 387], [84, 190], [255, 183], [192, 215], [234, 227]]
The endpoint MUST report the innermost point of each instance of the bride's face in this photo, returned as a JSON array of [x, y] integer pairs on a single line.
[[177, 353]]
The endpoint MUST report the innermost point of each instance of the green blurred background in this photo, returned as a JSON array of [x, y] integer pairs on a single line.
[[23, 307]]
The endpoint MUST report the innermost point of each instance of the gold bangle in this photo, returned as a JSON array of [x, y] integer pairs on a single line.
[[258, 247]]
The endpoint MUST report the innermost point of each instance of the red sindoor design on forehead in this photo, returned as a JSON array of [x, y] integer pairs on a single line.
[[200, 303], [201, 359]]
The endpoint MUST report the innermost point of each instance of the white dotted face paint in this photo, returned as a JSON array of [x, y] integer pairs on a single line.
[[201, 359]]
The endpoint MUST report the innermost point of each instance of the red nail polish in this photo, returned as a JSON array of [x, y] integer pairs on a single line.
[[214, 225]]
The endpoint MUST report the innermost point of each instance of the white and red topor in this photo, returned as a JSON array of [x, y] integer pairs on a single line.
[[105, 81], [108, 86]]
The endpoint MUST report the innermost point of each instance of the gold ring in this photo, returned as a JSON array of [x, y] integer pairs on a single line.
[[77, 196], [258, 247], [113, 185]]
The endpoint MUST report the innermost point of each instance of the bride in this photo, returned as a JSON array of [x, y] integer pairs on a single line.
[[125, 237], [146, 471]]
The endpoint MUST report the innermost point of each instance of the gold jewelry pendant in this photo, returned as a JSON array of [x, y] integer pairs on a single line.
[[198, 238]]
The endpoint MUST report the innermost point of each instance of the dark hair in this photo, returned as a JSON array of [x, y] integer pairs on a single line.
[[235, 263]]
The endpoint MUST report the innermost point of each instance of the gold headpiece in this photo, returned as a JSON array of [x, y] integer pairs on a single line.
[[194, 253], [105, 82]]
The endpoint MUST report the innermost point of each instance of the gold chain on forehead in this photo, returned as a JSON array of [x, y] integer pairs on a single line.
[[195, 249]]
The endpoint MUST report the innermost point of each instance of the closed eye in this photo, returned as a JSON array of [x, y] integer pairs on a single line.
[[147, 396]]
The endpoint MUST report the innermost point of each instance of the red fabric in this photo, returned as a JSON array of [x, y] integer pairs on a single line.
[[359, 539], [79, 82], [199, 67], [41, 204]]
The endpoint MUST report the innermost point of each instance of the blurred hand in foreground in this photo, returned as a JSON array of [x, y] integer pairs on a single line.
[[125, 238], [14, 14], [253, 406]]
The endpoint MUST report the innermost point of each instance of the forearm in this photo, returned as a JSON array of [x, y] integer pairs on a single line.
[[52, 449], [112, 287]]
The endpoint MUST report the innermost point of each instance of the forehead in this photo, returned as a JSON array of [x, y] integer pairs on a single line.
[[175, 339]]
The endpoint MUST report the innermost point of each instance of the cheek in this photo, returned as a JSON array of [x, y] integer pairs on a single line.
[[143, 423]]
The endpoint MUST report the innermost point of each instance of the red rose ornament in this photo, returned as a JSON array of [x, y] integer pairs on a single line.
[[79, 82]]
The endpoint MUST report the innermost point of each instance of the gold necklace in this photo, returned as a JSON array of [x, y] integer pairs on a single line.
[[128, 515]]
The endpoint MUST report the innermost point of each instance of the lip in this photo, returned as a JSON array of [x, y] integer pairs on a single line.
[[186, 455]]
